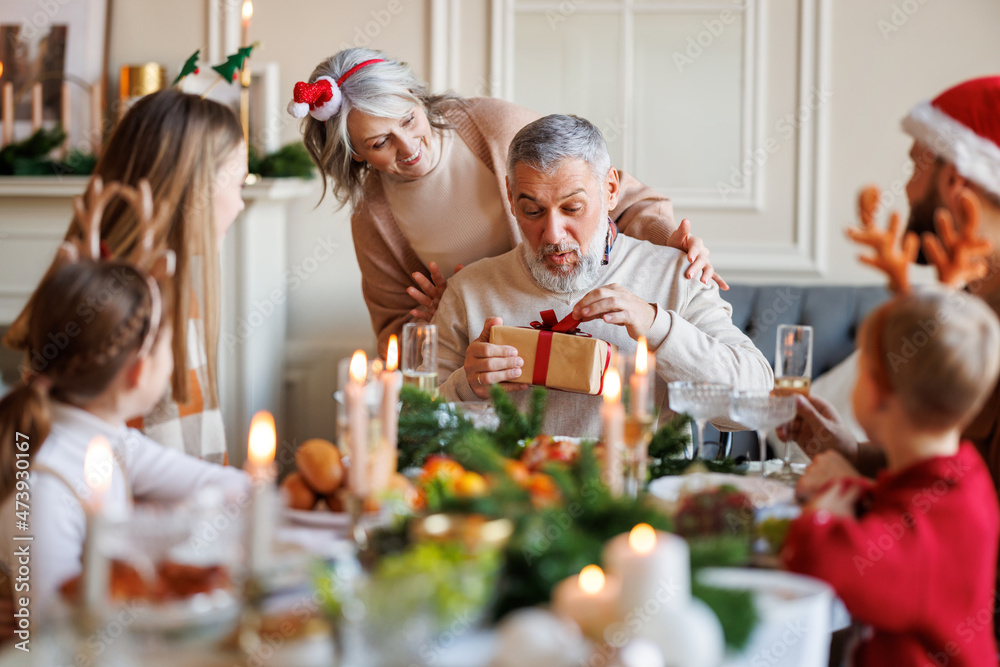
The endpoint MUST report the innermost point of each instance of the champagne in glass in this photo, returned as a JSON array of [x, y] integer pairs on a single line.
[[425, 382], [792, 375], [789, 385], [419, 361]]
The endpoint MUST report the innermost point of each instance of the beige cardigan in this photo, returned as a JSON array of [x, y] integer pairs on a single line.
[[486, 125]]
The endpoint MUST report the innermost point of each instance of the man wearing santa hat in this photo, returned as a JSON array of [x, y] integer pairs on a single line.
[[956, 147]]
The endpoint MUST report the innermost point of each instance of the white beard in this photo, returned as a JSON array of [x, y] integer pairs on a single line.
[[584, 272]]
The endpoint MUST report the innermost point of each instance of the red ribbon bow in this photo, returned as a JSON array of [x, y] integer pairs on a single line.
[[548, 326], [567, 325], [314, 94]]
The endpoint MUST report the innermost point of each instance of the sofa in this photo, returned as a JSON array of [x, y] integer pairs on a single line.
[[834, 311]]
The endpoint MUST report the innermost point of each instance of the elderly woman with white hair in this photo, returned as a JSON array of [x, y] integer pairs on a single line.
[[425, 177]]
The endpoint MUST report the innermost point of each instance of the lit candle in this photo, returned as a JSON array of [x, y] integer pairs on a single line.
[[96, 120], [613, 431], [653, 565], [590, 599], [639, 382], [357, 424], [8, 113], [98, 466], [391, 380], [36, 107], [247, 15], [264, 499]]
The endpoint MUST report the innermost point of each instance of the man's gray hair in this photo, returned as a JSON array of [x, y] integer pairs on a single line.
[[546, 142]]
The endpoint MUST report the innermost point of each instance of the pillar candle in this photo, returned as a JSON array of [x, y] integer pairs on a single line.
[[357, 424], [98, 467], [261, 447]]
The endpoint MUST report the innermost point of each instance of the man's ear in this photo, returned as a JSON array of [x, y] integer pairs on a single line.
[[950, 184], [612, 186]]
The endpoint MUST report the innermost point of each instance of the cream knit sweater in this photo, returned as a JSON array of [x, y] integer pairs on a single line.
[[693, 335]]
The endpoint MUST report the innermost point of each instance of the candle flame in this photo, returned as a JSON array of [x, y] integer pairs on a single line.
[[612, 386], [247, 11], [591, 580], [642, 539], [263, 440], [642, 357], [392, 354], [1, 68], [98, 465], [359, 367]]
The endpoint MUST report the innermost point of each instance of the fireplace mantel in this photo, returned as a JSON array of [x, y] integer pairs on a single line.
[[34, 214]]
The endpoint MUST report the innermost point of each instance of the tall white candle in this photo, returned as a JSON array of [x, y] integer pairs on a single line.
[[264, 498], [247, 14], [98, 467], [357, 424], [613, 432], [8, 113], [639, 382]]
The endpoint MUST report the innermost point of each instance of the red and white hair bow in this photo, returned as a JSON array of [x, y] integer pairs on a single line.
[[322, 98]]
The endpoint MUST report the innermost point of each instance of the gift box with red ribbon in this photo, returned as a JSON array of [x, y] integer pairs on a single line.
[[557, 354]]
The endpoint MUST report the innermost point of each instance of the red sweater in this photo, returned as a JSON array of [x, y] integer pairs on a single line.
[[918, 565]]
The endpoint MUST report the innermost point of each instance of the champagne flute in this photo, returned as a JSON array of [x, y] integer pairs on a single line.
[[702, 401], [792, 375], [762, 411], [419, 360]]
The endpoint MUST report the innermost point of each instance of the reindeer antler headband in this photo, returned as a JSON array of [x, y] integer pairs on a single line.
[[152, 265], [959, 257], [322, 98]]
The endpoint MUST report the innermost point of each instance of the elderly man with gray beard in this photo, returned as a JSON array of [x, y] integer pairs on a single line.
[[560, 186]]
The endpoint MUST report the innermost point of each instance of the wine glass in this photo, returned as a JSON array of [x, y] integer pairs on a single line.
[[792, 375], [702, 401], [761, 411], [419, 360]]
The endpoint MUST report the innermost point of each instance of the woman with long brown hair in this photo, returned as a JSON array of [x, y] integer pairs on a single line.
[[192, 152]]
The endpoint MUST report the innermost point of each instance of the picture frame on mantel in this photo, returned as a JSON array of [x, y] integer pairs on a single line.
[[55, 42]]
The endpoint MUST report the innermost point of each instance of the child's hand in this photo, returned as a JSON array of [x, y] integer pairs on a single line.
[[839, 499], [825, 467]]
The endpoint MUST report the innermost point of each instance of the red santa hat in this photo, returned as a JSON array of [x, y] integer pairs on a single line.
[[962, 125]]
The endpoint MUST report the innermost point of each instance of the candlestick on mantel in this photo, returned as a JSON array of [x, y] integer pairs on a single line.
[[613, 431], [247, 14], [264, 499], [8, 113], [66, 107], [36, 107], [98, 467], [96, 120]]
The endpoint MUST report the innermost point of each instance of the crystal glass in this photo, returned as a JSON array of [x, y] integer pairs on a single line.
[[640, 415], [702, 401], [792, 374], [419, 358], [761, 411]]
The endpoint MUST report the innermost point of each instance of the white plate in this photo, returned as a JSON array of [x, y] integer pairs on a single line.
[[763, 492], [320, 518]]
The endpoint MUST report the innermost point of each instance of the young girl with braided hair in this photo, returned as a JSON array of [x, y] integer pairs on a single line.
[[99, 353]]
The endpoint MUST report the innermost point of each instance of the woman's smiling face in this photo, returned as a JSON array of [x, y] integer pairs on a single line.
[[398, 146]]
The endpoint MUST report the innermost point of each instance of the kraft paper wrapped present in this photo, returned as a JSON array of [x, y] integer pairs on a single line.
[[557, 355]]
